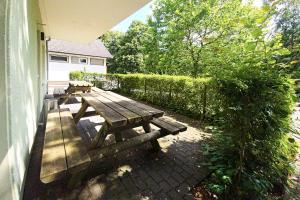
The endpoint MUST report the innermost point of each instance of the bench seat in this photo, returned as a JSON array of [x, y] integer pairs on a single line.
[[167, 126], [64, 153]]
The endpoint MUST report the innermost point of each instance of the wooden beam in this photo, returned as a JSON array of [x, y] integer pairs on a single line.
[[81, 111], [100, 153], [154, 143]]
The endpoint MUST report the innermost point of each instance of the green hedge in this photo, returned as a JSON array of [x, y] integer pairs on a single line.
[[193, 97]]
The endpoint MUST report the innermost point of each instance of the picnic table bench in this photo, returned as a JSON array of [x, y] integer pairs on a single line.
[[64, 153]]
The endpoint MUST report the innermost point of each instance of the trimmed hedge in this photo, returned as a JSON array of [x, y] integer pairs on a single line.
[[193, 97]]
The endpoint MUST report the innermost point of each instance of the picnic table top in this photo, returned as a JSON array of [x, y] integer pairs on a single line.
[[80, 83], [118, 110]]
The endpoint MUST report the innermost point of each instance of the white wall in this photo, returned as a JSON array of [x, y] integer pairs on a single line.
[[59, 71], [22, 86]]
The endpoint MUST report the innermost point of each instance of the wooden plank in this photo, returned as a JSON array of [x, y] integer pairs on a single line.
[[174, 123], [76, 151], [164, 126], [53, 164], [154, 143], [155, 112], [99, 139], [80, 83], [131, 116], [112, 117], [130, 105], [81, 112], [99, 153]]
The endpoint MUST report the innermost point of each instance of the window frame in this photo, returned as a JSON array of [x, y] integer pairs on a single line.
[[103, 59]]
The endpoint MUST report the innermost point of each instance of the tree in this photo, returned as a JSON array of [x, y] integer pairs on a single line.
[[127, 49], [195, 36], [288, 24]]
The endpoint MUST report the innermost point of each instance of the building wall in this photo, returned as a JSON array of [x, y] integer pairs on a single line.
[[5, 177], [59, 71], [22, 84]]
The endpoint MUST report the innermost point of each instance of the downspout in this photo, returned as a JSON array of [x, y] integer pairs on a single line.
[[47, 64]]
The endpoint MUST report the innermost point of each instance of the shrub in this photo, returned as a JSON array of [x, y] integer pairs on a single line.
[[250, 152], [76, 76]]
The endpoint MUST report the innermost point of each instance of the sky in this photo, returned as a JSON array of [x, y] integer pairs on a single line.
[[144, 12], [140, 15]]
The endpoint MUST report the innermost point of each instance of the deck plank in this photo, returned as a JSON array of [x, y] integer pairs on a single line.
[[53, 164]]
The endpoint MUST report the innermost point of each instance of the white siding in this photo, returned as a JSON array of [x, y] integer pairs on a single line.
[[59, 71]]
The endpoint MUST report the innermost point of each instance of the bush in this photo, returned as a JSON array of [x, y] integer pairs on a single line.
[[250, 152], [76, 76]]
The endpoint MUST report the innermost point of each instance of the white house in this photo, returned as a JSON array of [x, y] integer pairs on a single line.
[[65, 57]]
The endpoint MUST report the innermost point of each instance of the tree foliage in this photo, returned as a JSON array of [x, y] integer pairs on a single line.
[[288, 24], [126, 48]]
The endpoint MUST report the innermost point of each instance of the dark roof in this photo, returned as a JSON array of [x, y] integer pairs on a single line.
[[95, 48]]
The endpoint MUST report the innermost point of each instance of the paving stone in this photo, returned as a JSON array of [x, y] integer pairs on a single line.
[[183, 188], [172, 182], [156, 177], [141, 174], [174, 195], [177, 177], [165, 186]]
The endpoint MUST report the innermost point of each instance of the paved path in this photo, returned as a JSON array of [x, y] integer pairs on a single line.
[[293, 191], [134, 174]]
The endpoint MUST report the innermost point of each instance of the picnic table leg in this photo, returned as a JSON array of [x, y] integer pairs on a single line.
[[66, 98], [154, 143], [118, 136], [81, 111], [100, 137]]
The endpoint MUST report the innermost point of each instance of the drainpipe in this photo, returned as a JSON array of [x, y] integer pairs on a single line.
[[47, 63]]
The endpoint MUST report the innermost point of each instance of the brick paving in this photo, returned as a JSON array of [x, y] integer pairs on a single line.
[[138, 173]]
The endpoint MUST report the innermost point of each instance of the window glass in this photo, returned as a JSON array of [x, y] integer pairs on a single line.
[[83, 60], [96, 61], [59, 58]]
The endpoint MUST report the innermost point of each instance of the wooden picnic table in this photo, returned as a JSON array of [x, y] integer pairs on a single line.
[[71, 158], [120, 113], [75, 86]]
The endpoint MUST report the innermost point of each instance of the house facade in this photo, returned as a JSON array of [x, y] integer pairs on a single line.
[[24, 25], [65, 57]]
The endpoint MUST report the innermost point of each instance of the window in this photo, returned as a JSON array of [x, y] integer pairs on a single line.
[[59, 58], [74, 59], [78, 60], [83, 60], [95, 61]]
